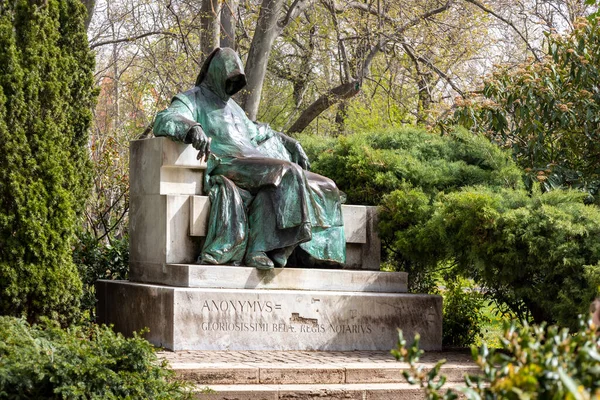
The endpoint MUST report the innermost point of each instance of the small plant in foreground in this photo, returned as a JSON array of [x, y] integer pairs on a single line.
[[46, 362], [535, 362]]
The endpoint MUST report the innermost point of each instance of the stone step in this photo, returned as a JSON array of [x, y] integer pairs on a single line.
[[275, 368], [362, 391]]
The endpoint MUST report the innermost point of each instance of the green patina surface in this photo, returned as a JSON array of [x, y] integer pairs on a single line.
[[265, 202]]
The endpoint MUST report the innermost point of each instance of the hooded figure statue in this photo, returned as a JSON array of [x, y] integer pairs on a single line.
[[265, 202]]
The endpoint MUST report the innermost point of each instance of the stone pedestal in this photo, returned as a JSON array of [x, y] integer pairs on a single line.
[[319, 310], [207, 307]]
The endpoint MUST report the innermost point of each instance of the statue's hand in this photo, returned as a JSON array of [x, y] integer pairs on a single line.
[[301, 157], [198, 139]]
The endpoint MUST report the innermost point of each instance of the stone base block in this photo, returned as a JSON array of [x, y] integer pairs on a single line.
[[246, 319], [233, 277]]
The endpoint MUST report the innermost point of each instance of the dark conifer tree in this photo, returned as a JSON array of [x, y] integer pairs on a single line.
[[46, 98]]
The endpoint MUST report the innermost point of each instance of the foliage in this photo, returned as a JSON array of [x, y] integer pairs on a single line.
[[369, 165], [46, 96], [537, 253], [463, 319], [99, 260], [532, 252], [457, 201], [46, 362], [547, 112], [534, 362], [403, 171], [493, 320]]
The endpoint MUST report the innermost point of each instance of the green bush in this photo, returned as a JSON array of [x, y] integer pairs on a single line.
[[535, 362], [46, 96], [458, 201], [47, 362], [403, 170], [463, 318], [369, 165], [99, 260], [533, 252], [536, 253]]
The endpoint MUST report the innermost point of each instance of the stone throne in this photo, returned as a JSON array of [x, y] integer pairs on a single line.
[[188, 306]]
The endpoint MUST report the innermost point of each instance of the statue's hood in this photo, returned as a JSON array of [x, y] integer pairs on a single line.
[[222, 73]]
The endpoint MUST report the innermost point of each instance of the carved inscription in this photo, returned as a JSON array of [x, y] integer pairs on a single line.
[[240, 306], [235, 327], [296, 323]]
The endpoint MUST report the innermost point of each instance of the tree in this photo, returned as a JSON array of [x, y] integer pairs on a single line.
[[46, 97], [547, 112], [326, 67], [273, 19], [210, 25]]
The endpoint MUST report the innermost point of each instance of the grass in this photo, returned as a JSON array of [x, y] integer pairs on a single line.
[[493, 326]]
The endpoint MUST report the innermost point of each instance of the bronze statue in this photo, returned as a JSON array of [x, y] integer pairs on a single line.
[[265, 202]]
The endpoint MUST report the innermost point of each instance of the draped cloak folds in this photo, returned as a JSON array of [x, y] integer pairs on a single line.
[[261, 200]]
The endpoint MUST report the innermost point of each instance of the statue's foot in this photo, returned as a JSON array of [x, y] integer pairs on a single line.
[[207, 259], [280, 256], [259, 260]]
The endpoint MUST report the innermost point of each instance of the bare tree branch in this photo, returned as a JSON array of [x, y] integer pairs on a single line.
[[350, 89], [426, 61], [365, 8], [297, 8], [398, 32], [183, 37], [509, 23], [343, 91], [130, 39]]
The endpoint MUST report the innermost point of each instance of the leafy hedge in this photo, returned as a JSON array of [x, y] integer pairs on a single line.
[[463, 319], [99, 260], [537, 253], [46, 362]]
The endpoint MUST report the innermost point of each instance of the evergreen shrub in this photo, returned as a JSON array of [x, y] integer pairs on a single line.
[[457, 203], [536, 252], [368, 166], [46, 97], [409, 167], [92, 362], [99, 260]]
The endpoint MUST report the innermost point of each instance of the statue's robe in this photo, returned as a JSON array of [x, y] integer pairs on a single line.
[[261, 199]]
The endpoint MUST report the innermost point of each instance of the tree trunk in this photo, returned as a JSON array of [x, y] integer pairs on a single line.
[[265, 34], [209, 26], [229, 23], [89, 5], [424, 99], [340, 118]]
